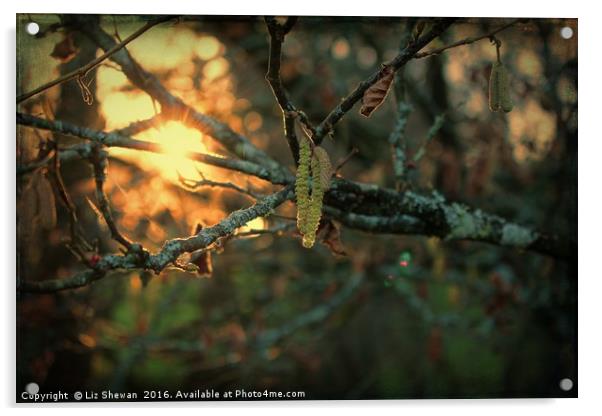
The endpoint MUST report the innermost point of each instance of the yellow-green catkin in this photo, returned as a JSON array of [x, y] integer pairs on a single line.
[[309, 208], [323, 160], [499, 89], [302, 184]]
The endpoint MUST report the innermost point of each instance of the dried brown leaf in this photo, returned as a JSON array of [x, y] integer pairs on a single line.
[[329, 234], [65, 50], [376, 94], [202, 258]]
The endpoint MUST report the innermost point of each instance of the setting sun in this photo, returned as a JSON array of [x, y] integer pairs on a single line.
[[177, 142], [120, 105]]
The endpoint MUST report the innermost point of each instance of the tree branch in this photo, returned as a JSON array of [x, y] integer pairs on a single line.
[[84, 70], [356, 95], [365, 207], [448, 220], [466, 41], [289, 112], [195, 184], [173, 107], [99, 163], [116, 140], [398, 140], [440, 218], [171, 250], [317, 314], [77, 235]]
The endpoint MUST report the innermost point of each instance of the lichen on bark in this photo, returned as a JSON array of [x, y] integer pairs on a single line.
[[517, 236]]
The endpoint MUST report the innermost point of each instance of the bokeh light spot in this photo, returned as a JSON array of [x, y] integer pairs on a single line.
[[208, 48], [340, 48]]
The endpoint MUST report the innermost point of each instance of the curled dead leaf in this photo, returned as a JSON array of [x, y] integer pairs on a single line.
[[329, 234], [201, 259], [65, 50], [376, 94]]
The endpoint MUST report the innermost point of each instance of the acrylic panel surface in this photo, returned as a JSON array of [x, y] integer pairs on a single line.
[[229, 208]]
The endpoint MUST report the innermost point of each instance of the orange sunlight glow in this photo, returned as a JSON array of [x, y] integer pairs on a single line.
[[256, 224], [191, 65], [172, 50], [177, 141]]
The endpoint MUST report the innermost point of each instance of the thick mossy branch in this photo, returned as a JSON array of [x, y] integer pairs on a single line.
[[438, 217], [170, 251]]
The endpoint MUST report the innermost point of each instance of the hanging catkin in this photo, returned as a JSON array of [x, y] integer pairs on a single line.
[[317, 168], [321, 171], [499, 89], [323, 161], [376, 94], [302, 184]]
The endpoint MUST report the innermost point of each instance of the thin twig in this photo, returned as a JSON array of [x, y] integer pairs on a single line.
[[277, 230], [141, 125], [194, 184], [99, 163], [466, 41], [77, 235], [314, 315], [284, 217], [433, 130], [81, 72], [67, 154], [43, 160], [274, 230], [346, 159]]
